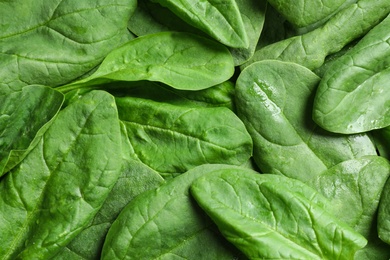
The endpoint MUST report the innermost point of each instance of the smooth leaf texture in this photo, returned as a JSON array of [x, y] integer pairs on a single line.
[[152, 18], [53, 193], [274, 101], [310, 49], [384, 214], [22, 114], [51, 43], [352, 96], [303, 13], [355, 186], [180, 60], [166, 223], [221, 19], [270, 216], [135, 179], [173, 139], [253, 17]]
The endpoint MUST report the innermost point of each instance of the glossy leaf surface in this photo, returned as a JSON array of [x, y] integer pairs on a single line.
[[355, 186], [310, 49], [270, 216], [22, 114], [352, 96], [53, 194], [173, 139], [274, 100], [51, 43], [303, 13], [221, 19], [180, 60], [171, 223]]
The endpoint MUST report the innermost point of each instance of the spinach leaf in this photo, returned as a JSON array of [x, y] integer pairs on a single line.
[[355, 186], [253, 16], [173, 139], [135, 179], [22, 114], [220, 19], [384, 213], [306, 13], [274, 100], [310, 49], [221, 95], [181, 60], [166, 223], [270, 216], [352, 96], [61, 184], [152, 18], [52, 43]]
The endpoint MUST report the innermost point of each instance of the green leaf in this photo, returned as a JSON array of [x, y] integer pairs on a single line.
[[310, 49], [150, 18], [221, 95], [270, 216], [173, 139], [274, 101], [352, 95], [180, 60], [304, 13], [221, 19], [355, 186], [253, 17], [384, 214], [382, 141], [135, 179], [165, 223], [51, 43], [62, 183], [22, 114]]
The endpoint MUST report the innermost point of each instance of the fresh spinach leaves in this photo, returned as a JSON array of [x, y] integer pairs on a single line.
[[213, 129]]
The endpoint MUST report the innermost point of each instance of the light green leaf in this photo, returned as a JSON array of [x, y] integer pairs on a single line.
[[384, 214], [304, 13], [355, 186], [51, 43], [274, 101], [270, 216], [62, 183], [22, 114], [135, 179], [180, 60], [352, 96], [221, 19], [165, 223], [173, 139], [310, 49]]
